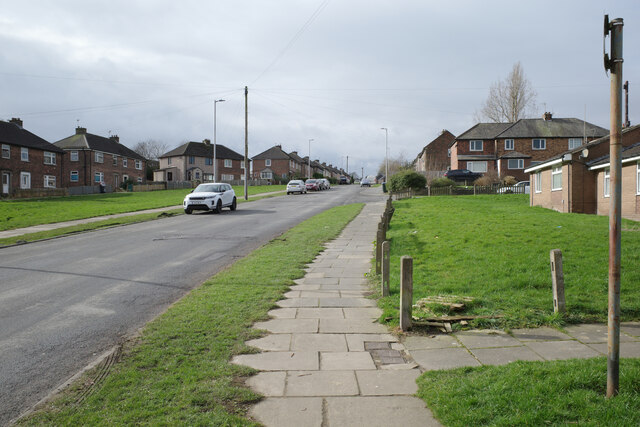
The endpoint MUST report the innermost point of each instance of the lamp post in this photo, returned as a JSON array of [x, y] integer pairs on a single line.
[[309, 174], [215, 102], [386, 154]]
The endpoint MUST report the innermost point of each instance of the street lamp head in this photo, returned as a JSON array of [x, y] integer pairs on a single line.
[[219, 100]]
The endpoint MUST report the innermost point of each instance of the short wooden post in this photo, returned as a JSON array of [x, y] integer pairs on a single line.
[[428, 190], [385, 268], [557, 279], [406, 291], [379, 240]]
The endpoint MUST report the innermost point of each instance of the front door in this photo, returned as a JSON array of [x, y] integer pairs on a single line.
[[5, 182]]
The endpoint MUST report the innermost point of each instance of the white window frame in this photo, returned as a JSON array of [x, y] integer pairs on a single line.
[[73, 174], [125, 162], [227, 177], [25, 180], [472, 165], [266, 175], [509, 144], [606, 183], [73, 156], [125, 178], [474, 142], [208, 161], [192, 159], [267, 162], [115, 160], [169, 160], [99, 157], [520, 164], [575, 143], [139, 180], [49, 181], [49, 158], [555, 172], [537, 181], [6, 151], [24, 154], [242, 164], [638, 177], [99, 176], [228, 163], [138, 164], [542, 142], [448, 152]]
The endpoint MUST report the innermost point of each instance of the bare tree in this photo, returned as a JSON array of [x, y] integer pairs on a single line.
[[396, 164], [510, 99], [150, 149]]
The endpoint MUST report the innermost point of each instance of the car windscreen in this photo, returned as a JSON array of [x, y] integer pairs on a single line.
[[209, 189], [311, 181]]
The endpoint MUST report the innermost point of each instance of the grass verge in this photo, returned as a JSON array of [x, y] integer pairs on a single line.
[[179, 372], [495, 248], [554, 393]]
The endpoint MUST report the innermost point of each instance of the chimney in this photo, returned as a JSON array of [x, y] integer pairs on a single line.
[[206, 141], [279, 146], [115, 138], [81, 131], [295, 153], [547, 116], [16, 121]]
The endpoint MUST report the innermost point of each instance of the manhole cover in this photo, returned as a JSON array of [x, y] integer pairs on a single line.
[[383, 354]]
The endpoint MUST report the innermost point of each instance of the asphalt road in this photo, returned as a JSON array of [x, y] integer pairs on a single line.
[[65, 301]]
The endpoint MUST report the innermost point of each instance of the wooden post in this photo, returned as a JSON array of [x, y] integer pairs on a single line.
[[406, 291], [379, 240], [385, 268], [557, 278], [428, 190]]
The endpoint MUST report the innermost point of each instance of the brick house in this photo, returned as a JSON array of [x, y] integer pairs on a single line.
[[577, 180], [435, 156], [510, 148], [93, 159], [297, 165], [28, 162], [193, 161], [272, 164]]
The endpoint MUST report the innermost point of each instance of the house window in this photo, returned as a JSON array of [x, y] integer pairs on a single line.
[[25, 180], [537, 182], [24, 155], [139, 180], [49, 158], [138, 164], [267, 162], [192, 160], [227, 177], [556, 178], [508, 144], [74, 176], [6, 151], [475, 145], [242, 164], [227, 163], [638, 178], [125, 162], [125, 178], [539, 144], [169, 160], [115, 160], [98, 177], [266, 175], [49, 181], [73, 156], [197, 174], [207, 161], [574, 143], [448, 152], [607, 183], [477, 166], [99, 158], [515, 164]]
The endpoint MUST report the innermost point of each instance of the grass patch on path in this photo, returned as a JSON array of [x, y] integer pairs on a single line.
[[552, 393], [178, 373], [495, 248]]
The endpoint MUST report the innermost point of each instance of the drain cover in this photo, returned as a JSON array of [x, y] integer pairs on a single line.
[[382, 353]]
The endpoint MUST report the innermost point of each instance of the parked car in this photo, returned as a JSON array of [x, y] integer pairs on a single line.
[[462, 175], [365, 183], [312, 185], [343, 180], [210, 197], [324, 184], [296, 186], [518, 188]]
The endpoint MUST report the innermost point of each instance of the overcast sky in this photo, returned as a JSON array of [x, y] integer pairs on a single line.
[[332, 71]]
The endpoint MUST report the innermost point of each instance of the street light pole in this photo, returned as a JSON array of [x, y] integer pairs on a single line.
[[215, 102], [309, 174], [386, 154]]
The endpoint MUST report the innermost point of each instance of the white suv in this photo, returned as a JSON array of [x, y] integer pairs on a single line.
[[210, 197]]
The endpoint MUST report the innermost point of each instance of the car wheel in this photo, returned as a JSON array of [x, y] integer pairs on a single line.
[[188, 211], [234, 204], [218, 207]]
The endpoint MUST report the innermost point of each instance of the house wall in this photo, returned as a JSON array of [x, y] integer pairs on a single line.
[[278, 166], [35, 166], [557, 200], [453, 160], [503, 170], [87, 167], [177, 165], [630, 203]]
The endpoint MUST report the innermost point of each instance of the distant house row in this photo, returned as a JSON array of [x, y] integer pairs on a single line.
[[30, 163]]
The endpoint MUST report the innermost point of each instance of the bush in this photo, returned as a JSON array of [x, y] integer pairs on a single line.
[[509, 180], [488, 178], [407, 180], [443, 182]]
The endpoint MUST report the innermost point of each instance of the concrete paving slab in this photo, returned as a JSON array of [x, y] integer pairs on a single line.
[[387, 383], [539, 334], [314, 275], [321, 383], [272, 342], [268, 383], [346, 302], [297, 302], [373, 411], [443, 358], [320, 281], [351, 326], [352, 360], [504, 355], [279, 360], [350, 273], [431, 342], [320, 293], [325, 271], [486, 338], [292, 294], [283, 313], [592, 333], [284, 326], [362, 313], [320, 313], [355, 293], [562, 350], [355, 342], [318, 342], [627, 349], [631, 328], [288, 412], [305, 287], [343, 287]]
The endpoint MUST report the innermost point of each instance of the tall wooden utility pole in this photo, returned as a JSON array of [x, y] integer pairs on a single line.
[[246, 144], [614, 28]]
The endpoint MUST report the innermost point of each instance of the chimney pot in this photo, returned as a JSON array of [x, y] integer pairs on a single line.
[[16, 121], [115, 138], [81, 131], [547, 116], [206, 141]]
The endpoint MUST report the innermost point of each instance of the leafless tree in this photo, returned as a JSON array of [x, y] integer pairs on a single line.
[[151, 149], [396, 164], [510, 99]]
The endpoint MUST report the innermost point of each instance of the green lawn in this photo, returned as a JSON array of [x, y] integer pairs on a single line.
[[25, 213], [178, 373], [495, 248]]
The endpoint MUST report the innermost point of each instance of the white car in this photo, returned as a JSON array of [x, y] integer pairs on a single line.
[[326, 185], [296, 186], [210, 197]]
